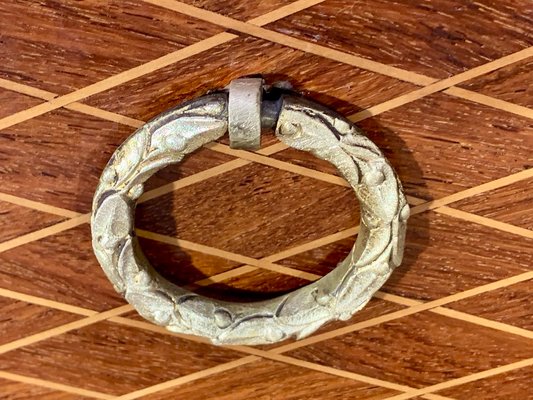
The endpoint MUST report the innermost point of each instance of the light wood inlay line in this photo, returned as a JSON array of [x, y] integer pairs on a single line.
[[136, 72], [328, 370], [404, 312], [55, 386], [64, 328], [189, 378], [490, 101], [485, 187], [116, 80], [278, 351], [491, 223], [464, 379], [35, 205], [27, 90], [431, 85], [42, 233], [226, 254], [46, 303]]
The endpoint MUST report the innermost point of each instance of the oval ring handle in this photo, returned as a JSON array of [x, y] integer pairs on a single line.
[[300, 124]]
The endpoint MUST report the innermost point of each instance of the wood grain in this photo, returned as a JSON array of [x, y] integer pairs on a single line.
[[510, 385], [255, 211], [13, 102], [57, 158], [265, 380], [511, 83], [240, 9], [61, 267], [418, 350], [373, 309], [16, 220], [113, 358], [440, 145], [23, 391], [512, 204], [200, 160], [253, 286], [438, 39], [84, 42], [182, 266], [510, 305], [340, 86], [19, 319], [445, 255], [320, 260]]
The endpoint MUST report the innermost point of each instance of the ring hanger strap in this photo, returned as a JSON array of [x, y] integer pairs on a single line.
[[244, 113]]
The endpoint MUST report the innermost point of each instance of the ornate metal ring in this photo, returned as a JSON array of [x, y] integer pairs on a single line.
[[298, 123]]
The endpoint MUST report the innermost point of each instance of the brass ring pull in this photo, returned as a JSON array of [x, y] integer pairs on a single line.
[[298, 123]]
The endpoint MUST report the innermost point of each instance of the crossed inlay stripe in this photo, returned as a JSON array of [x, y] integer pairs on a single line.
[[253, 27]]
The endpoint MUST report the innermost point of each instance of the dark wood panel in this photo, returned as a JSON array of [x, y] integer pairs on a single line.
[[255, 210], [438, 38], [198, 161], [373, 309], [13, 102], [511, 83], [440, 145], [443, 255], [22, 391], [265, 380], [61, 267], [16, 220], [419, 350], [57, 158], [510, 305], [19, 319], [512, 204], [240, 9], [63, 45], [321, 260], [113, 358], [182, 266], [510, 385], [345, 88]]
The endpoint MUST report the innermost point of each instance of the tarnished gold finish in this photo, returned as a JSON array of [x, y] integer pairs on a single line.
[[300, 124]]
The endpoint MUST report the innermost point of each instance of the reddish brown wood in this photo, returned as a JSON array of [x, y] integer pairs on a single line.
[[22, 391], [419, 350], [240, 9], [343, 87], [510, 305], [65, 45], [510, 385], [113, 358], [512, 204], [13, 102], [264, 380], [438, 38], [17, 220], [255, 211], [19, 319], [61, 267], [511, 83]]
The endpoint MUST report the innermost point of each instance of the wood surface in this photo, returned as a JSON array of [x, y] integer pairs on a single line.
[[437, 38], [404, 352], [259, 381], [78, 77]]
